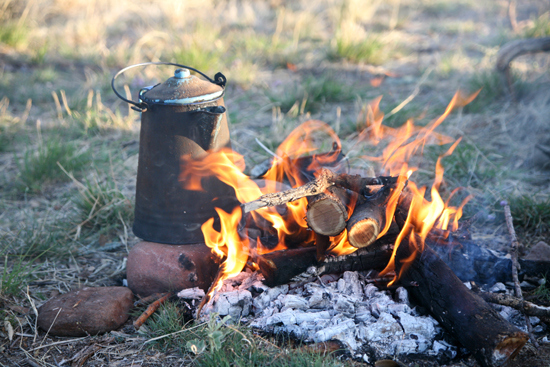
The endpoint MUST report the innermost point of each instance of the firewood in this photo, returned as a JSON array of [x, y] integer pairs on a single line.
[[465, 315], [325, 180], [327, 213], [368, 219], [279, 267], [322, 243]]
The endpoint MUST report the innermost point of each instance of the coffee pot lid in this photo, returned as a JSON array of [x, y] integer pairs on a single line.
[[182, 89]]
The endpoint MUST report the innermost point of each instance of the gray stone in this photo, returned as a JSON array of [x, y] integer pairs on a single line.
[[88, 311], [498, 288], [539, 252]]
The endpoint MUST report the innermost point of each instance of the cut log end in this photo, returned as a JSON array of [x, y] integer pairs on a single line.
[[509, 347], [363, 233], [327, 216]]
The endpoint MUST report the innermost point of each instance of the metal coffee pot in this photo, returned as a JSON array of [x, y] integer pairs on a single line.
[[185, 115]]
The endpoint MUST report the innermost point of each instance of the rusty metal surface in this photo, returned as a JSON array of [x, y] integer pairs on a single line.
[[164, 211], [182, 89]]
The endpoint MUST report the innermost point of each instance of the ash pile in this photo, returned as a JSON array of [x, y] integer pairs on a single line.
[[370, 323]]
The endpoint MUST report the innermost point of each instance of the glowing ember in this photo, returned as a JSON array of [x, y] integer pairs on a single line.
[[232, 242]]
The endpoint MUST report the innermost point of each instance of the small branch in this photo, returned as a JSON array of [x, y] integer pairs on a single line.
[[151, 310], [516, 48], [209, 293], [325, 180], [528, 308], [515, 265]]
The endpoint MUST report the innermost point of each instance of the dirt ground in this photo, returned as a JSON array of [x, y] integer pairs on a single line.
[[286, 62]]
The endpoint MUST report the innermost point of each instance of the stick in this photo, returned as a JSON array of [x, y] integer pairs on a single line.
[[151, 310], [515, 265], [528, 308], [325, 180]]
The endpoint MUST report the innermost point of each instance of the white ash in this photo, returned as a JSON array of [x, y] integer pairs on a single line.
[[191, 293], [317, 309]]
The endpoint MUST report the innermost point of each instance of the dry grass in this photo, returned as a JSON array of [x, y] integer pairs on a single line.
[[286, 62]]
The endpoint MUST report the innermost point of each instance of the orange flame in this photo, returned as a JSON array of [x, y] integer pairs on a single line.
[[289, 222]]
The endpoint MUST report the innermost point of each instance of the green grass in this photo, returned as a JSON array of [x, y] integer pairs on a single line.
[[370, 50], [531, 213], [539, 28], [312, 94], [101, 206], [542, 291], [39, 167], [216, 343], [14, 34], [17, 263], [493, 89]]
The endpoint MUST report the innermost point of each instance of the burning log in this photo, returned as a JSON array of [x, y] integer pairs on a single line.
[[279, 267], [476, 325], [327, 213], [368, 219], [325, 180], [322, 244]]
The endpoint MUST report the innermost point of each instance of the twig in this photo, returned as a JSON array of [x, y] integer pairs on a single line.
[[413, 94], [209, 293], [174, 333], [515, 265], [325, 180], [528, 308], [59, 342], [151, 310]]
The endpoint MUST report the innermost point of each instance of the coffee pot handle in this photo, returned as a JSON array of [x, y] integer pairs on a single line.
[[219, 79]]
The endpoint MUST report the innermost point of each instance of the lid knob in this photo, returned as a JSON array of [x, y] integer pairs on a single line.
[[182, 73]]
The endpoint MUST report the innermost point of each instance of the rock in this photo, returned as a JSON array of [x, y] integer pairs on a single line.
[[539, 252], [498, 288], [88, 311], [158, 268]]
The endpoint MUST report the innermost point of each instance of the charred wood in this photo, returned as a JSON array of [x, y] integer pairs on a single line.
[[476, 325], [322, 243], [279, 267]]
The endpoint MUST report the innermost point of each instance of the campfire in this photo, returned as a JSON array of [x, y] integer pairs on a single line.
[[308, 244], [308, 213]]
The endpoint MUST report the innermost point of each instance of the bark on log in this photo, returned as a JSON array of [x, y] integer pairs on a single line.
[[327, 213], [279, 267], [476, 325]]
